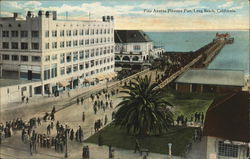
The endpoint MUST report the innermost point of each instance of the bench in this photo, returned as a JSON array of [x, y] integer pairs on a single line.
[[141, 150]]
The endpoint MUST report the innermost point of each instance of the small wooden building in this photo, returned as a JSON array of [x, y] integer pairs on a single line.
[[210, 81]]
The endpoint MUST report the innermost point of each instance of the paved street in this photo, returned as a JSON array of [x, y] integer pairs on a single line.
[[69, 114]]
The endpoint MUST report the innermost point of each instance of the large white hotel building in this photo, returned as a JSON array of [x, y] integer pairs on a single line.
[[56, 54]]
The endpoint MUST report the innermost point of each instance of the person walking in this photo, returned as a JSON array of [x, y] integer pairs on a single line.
[[83, 116], [27, 100], [106, 119], [77, 101], [31, 147], [48, 129], [71, 135], [38, 121], [202, 117], [111, 152], [80, 134], [82, 100]]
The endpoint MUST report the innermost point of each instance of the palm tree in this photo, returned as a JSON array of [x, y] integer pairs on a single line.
[[143, 110]]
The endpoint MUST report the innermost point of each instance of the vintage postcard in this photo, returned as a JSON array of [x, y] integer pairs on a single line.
[[124, 79]]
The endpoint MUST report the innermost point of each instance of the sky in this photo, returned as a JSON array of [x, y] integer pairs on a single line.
[[148, 15]]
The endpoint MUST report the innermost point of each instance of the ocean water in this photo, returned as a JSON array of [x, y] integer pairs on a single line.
[[232, 57]]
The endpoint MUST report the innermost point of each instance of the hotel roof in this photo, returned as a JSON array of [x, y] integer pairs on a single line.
[[228, 118], [131, 36], [212, 77]]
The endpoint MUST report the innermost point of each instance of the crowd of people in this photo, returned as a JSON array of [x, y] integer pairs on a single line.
[[197, 117]]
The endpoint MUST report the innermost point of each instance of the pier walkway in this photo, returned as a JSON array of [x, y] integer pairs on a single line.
[[208, 55]]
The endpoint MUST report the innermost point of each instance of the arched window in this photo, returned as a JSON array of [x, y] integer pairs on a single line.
[[135, 58], [125, 58], [117, 58]]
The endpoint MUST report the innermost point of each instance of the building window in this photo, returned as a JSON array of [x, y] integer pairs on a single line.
[[62, 33], [5, 45], [81, 55], [24, 46], [46, 74], [75, 32], [47, 58], [47, 46], [54, 57], [68, 32], [75, 56], [86, 65], [14, 58], [75, 68], [228, 150], [24, 58], [35, 46], [62, 58], [14, 34], [53, 70], [97, 52], [35, 34], [81, 67], [62, 44], [87, 42], [6, 57], [87, 54], [62, 70], [68, 57], [101, 31], [14, 45], [92, 31], [92, 41], [5, 33], [69, 70], [24, 34], [68, 43], [92, 53], [54, 45], [96, 32], [137, 47], [101, 51], [104, 50], [46, 34], [36, 58], [87, 32], [81, 32], [75, 43], [81, 42], [92, 62], [54, 33]]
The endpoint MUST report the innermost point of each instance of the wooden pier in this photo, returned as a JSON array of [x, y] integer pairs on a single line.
[[207, 56]]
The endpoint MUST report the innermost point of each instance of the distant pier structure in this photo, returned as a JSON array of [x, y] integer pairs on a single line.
[[224, 37]]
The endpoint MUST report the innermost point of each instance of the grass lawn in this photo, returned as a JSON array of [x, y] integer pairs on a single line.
[[117, 137], [188, 103]]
